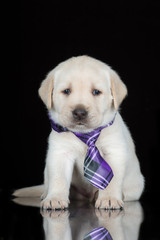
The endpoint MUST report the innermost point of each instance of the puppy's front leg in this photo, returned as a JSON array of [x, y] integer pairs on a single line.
[[111, 197], [59, 168]]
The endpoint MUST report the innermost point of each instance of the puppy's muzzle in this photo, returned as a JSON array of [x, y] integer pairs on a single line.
[[79, 114]]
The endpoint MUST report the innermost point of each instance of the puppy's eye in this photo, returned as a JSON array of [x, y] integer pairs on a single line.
[[66, 91], [96, 92]]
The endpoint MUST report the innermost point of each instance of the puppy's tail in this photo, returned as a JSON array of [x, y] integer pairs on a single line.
[[35, 191]]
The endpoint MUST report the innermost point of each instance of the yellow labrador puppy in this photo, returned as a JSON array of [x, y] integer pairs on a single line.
[[91, 88]]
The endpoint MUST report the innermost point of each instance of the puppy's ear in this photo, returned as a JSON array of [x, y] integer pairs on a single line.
[[45, 91], [118, 89]]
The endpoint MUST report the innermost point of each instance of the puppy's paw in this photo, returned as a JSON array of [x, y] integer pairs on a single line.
[[54, 203], [109, 203], [55, 214], [108, 214]]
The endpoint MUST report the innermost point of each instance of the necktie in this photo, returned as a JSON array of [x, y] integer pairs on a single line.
[[96, 170], [98, 234]]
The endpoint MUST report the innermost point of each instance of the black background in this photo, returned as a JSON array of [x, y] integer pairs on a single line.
[[40, 34]]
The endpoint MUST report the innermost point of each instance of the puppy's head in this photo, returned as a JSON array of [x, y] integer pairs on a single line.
[[82, 93]]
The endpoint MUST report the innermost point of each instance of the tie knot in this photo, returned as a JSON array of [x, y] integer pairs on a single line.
[[92, 139], [89, 138]]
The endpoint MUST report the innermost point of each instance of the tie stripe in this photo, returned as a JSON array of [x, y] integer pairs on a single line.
[[98, 234]]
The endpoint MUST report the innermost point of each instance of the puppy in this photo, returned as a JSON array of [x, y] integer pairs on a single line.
[[92, 86]]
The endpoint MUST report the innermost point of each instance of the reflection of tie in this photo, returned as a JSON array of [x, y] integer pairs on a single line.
[[96, 169], [98, 234]]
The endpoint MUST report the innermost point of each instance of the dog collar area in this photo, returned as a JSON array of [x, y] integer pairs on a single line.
[[58, 128]]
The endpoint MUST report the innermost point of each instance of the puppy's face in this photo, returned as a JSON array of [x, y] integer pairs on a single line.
[[82, 95]]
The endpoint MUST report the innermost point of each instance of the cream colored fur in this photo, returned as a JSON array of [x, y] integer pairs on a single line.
[[66, 153]]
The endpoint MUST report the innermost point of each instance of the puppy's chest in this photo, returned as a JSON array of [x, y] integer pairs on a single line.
[[80, 148], [102, 148]]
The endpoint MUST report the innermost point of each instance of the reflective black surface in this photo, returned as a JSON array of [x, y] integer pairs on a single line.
[[22, 219]]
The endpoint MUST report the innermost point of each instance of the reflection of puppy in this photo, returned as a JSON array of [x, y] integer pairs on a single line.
[[82, 94], [119, 224], [56, 225], [122, 224]]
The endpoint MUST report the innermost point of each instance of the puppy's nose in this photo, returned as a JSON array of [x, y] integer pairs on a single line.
[[80, 114]]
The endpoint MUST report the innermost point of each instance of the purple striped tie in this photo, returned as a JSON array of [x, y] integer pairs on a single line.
[[96, 170], [98, 234]]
